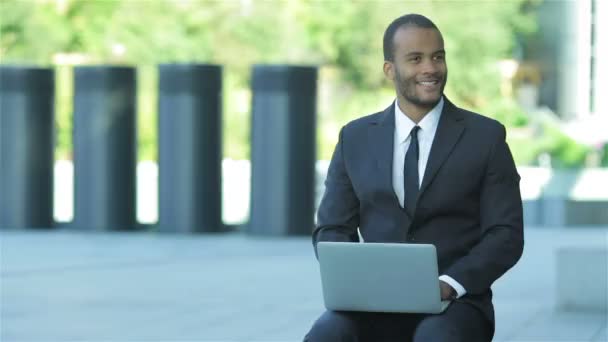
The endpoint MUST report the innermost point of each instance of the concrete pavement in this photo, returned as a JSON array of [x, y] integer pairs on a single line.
[[67, 285]]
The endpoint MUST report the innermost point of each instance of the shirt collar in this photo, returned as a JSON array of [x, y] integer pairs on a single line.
[[428, 123]]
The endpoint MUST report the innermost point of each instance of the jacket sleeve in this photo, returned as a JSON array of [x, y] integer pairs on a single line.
[[338, 214], [501, 222]]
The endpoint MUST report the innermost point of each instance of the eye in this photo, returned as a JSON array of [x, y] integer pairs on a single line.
[[415, 59], [439, 57]]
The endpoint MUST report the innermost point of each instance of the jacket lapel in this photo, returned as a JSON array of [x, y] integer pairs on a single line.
[[382, 140], [449, 130]]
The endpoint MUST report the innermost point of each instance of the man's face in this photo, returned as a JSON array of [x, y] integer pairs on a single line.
[[419, 67]]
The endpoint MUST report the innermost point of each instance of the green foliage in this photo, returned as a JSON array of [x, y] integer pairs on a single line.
[[22, 24], [506, 111], [343, 37], [348, 37], [147, 113], [525, 151], [64, 78], [563, 150]]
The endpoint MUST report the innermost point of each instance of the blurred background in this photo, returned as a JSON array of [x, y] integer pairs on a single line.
[[532, 65], [539, 67]]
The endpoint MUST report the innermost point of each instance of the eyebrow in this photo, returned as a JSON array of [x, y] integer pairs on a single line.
[[417, 53]]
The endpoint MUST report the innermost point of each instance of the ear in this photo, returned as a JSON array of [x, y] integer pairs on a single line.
[[389, 70]]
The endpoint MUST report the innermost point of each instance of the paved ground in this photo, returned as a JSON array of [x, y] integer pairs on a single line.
[[66, 286]]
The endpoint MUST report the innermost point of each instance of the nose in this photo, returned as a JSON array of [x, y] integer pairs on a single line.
[[429, 66]]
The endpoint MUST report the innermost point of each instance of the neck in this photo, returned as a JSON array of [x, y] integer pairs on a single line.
[[415, 112]]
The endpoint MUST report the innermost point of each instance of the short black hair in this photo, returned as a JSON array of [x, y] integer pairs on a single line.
[[413, 19]]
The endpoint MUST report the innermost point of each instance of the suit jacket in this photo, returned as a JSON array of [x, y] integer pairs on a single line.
[[469, 204]]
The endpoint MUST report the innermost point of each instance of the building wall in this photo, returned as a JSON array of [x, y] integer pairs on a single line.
[[600, 58], [564, 52]]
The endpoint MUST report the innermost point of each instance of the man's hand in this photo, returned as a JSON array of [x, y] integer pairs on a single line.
[[447, 292]]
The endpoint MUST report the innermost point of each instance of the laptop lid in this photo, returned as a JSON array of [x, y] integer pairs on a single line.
[[380, 277]]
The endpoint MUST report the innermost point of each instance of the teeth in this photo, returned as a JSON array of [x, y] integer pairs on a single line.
[[428, 82]]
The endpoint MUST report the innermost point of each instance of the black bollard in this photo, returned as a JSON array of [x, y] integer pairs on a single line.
[[283, 150], [104, 148], [190, 152], [26, 147]]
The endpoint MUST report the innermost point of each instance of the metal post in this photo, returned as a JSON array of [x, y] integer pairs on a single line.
[[283, 150], [26, 147], [104, 148], [190, 153]]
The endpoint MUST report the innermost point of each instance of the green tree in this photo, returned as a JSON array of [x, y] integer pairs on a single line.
[[343, 37]]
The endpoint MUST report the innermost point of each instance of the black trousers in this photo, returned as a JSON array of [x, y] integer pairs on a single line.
[[459, 322]]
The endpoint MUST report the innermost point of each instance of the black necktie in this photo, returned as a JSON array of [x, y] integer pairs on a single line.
[[410, 173]]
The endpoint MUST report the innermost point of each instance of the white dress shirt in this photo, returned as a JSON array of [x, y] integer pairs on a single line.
[[426, 134]]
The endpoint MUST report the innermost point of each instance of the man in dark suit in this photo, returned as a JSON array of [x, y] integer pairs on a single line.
[[424, 171]]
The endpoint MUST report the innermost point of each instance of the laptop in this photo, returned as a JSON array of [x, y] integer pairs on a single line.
[[380, 277]]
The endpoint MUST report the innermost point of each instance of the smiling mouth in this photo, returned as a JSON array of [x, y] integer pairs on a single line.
[[429, 83]]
